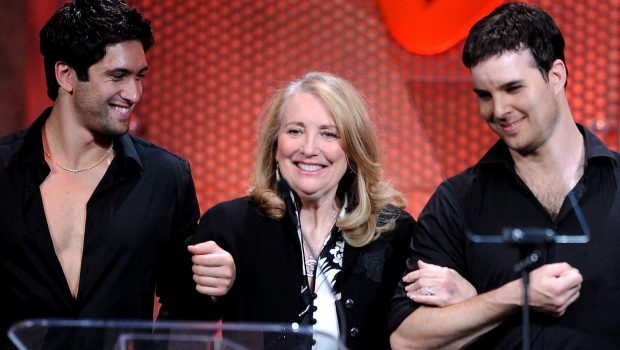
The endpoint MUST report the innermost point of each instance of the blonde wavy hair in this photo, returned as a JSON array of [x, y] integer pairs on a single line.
[[369, 214]]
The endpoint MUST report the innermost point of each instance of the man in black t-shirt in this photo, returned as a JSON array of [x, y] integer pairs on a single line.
[[544, 172]]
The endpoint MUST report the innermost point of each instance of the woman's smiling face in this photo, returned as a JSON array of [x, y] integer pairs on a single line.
[[309, 149]]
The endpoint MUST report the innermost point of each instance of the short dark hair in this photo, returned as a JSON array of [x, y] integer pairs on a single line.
[[513, 27], [79, 32]]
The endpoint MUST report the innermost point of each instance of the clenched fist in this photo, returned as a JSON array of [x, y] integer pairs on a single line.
[[214, 268]]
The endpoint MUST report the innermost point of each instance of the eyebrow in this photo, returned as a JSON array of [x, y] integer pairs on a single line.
[[512, 84], [328, 126], [505, 86], [320, 126], [125, 71]]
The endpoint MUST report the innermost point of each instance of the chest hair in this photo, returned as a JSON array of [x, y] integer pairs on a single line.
[[551, 190], [550, 194]]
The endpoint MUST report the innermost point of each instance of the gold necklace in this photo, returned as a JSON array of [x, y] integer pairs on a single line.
[[84, 169]]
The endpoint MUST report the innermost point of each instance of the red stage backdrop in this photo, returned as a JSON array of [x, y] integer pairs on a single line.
[[215, 62]]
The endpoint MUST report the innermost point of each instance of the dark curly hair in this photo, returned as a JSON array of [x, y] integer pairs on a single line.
[[513, 27], [79, 32]]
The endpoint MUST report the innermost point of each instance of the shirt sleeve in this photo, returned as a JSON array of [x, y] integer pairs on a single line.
[[438, 238], [175, 285], [222, 224]]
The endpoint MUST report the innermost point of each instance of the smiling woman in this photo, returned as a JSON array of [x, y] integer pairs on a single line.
[[310, 153], [322, 239]]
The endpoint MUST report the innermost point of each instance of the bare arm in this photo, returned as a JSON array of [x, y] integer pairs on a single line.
[[457, 325], [553, 288]]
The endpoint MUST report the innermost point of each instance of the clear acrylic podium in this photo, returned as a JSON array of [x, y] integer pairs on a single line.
[[44, 334]]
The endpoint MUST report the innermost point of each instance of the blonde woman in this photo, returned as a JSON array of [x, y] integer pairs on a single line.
[[320, 223]]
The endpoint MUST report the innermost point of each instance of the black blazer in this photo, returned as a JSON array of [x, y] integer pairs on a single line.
[[269, 277]]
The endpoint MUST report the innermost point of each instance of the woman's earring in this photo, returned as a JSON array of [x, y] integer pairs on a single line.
[[277, 172], [350, 168]]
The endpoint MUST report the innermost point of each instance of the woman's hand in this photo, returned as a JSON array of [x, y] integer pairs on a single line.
[[437, 286]]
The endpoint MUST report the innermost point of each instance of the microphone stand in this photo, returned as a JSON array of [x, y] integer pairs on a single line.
[[528, 241], [529, 256]]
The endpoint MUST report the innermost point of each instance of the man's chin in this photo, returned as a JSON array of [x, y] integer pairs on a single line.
[[117, 130], [523, 149], [121, 132]]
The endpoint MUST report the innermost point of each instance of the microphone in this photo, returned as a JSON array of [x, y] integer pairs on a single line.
[[535, 236]]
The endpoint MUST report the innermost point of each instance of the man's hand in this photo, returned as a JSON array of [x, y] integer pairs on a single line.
[[553, 287], [437, 286], [214, 268]]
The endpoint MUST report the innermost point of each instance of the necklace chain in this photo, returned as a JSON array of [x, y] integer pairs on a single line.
[[105, 155], [311, 262]]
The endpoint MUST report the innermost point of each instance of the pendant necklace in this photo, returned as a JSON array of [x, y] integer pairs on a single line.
[[310, 267], [310, 258]]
